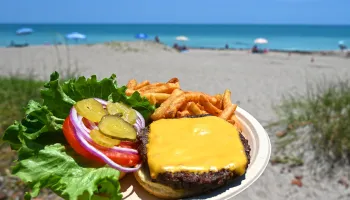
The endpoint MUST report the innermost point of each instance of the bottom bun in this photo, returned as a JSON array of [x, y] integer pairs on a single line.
[[160, 190], [122, 175]]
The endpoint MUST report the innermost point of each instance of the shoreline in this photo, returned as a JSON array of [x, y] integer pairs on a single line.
[[328, 52], [301, 52]]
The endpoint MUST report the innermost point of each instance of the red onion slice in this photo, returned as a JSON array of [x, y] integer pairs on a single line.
[[103, 102], [137, 128], [99, 154], [80, 119], [140, 117], [93, 125]]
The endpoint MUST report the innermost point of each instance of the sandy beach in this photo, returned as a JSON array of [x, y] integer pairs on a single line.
[[257, 83]]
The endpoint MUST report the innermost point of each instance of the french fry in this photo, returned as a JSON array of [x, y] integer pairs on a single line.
[[150, 86], [226, 99], [219, 101], [175, 105], [231, 121], [173, 80], [165, 88], [152, 100], [160, 97], [131, 84], [195, 96], [182, 113], [160, 111], [204, 112], [193, 108], [200, 106], [182, 100], [184, 106], [237, 123], [209, 107], [228, 112], [129, 92], [142, 84]]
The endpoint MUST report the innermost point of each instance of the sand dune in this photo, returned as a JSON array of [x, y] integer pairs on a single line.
[[256, 81]]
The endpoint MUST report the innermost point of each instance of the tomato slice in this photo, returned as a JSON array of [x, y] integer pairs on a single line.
[[126, 160], [68, 132], [86, 123], [128, 144]]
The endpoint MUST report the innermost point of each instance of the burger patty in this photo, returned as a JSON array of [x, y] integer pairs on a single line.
[[189, 180]]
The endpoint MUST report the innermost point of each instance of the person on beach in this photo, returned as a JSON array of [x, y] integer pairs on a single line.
[[226, 46], [180, 48], [255, 49], [12, 43], [156, 39], [176, 46], [342, 47]]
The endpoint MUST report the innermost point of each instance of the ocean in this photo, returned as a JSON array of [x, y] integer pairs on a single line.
[[283, 37]]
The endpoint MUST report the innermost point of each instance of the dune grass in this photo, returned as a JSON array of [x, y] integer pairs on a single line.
[[318, 122], [14, 95], [15, 92]]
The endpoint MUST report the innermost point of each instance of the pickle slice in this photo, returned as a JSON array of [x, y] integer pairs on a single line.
[[128, 114], [90, 109], [117, 127], [102, 139]]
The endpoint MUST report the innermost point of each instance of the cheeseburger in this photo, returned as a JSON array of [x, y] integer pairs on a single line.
[[189, 156]]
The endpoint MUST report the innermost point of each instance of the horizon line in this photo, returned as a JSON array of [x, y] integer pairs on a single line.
[[154, 23]]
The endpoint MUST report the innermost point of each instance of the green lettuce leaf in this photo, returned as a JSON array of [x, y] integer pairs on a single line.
[[44, 157], [61, 97], [52, 167], [39, 121]]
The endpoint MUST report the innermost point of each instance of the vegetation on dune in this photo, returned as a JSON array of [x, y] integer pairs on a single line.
[[317, 122], [14, 95]]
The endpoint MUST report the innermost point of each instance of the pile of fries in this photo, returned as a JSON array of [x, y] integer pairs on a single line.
[[175, 103]]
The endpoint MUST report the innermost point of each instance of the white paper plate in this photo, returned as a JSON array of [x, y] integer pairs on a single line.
[[260, 154]]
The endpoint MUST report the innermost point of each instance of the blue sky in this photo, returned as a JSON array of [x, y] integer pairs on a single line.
[[176, 11]]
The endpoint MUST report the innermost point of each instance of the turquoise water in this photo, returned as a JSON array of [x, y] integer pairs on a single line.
[[285, 37]]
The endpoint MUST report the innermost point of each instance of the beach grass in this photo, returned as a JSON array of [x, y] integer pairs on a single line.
[[317, 122], [120, 46], [15, 92]]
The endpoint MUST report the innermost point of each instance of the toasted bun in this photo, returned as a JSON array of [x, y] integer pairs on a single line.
[[160, 190], [122, 175]]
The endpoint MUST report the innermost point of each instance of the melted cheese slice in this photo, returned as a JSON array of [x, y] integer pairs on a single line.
[[195, 145]]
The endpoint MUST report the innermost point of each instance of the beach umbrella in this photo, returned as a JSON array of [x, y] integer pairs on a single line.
[[341, 42], [141, 36], [260, 41], [76, 36], [24, 31], [182, 38]]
